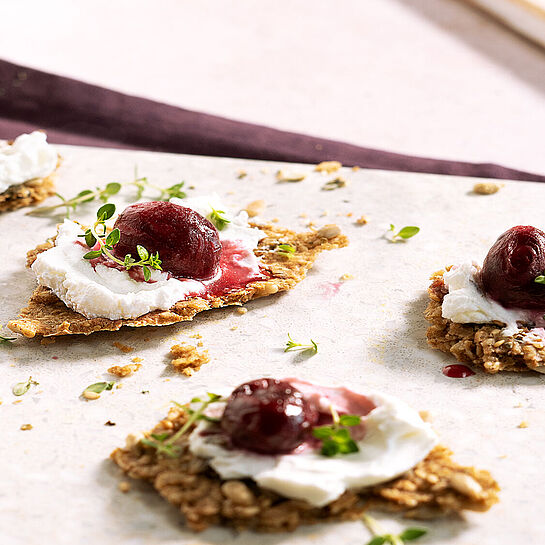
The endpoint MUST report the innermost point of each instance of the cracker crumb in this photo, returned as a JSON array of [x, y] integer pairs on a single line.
[[123, 347], [282, 176], [136, 359], [311, 224], [425, 415], [355, 168], [486, 188], [242, 310], [346, 277], [90, 395], [187, 359], [119, 385], [233, 327], [200, 343], [255, 208], [324, 213], [195, 336], [303, 215], [46, 341], [109, 423], [328, 166], [523, 424], [125, 370], [362, 220], [124, 486], [241, 174], [275, 220], [336, 183], [26, 427], [329, 231]]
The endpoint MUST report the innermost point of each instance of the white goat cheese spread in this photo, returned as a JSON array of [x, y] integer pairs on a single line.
[[396, 439], [29, 157], [465, 303], [107, 292]]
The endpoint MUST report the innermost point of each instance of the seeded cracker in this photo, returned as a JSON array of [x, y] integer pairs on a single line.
[[29, 193], [434, 487], [46, 315], [479, 344]]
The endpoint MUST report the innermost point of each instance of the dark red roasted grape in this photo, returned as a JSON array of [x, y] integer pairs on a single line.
[[188, 244], [268, 416], [511, 266]]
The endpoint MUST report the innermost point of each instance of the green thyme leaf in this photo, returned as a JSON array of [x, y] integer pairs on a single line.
[[105, 212], [112, 188], [90, 239], [175, 191], [410, 534], [377, 540], [142, 252], [539, 279], [218, 219], [22, 388], [147, 273], [99, 387], [84, 193], [349, 420], [408, 231], [113, 238], [323, 432], [329, 448], [286, 250], [160, 436], [93, 254], [6, 340]]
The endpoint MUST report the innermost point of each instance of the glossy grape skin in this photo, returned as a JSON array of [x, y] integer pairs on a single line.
[[511, 266], [268, 416], [188, 244]]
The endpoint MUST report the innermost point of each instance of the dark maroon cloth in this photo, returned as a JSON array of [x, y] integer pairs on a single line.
[[74, 112]]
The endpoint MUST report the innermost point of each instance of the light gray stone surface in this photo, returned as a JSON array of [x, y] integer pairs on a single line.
[[58, 485]]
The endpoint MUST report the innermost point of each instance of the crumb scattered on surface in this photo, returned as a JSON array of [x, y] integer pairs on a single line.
[[125, 370], [362, 220], [425, 415], [109, 423], [329, 231], [123, 347], [200, 343], [124, 486], [187, 359], [283, 176], [255, 208], [241, 174], [46, 341], [355, 168], [346, 277], [17, 401], [119, 385], [486, 188], [26, 427], [195, 336], [303, 215], [523, 424], [242, 310], [324, 213], [336, 183], [328, 166], [233, 327], [350, 214], [136, 359]]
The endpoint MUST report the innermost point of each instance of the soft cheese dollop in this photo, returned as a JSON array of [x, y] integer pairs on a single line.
[[465, 303], [106, 292], [396, 439], [29, 157]]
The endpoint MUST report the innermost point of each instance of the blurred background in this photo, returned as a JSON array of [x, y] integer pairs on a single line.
[[436, 78]]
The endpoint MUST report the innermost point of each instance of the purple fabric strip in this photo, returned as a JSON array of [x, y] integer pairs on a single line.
[[74, 112]]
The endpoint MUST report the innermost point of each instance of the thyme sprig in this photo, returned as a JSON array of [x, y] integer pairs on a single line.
[[164, 443], [291, 345], [405, 233], [6, 341], [381, 537], [104, 193], [336, 438], [97, 234], [22, 388]]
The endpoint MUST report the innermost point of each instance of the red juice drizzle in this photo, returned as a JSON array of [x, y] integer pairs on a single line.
[[457, 370]]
